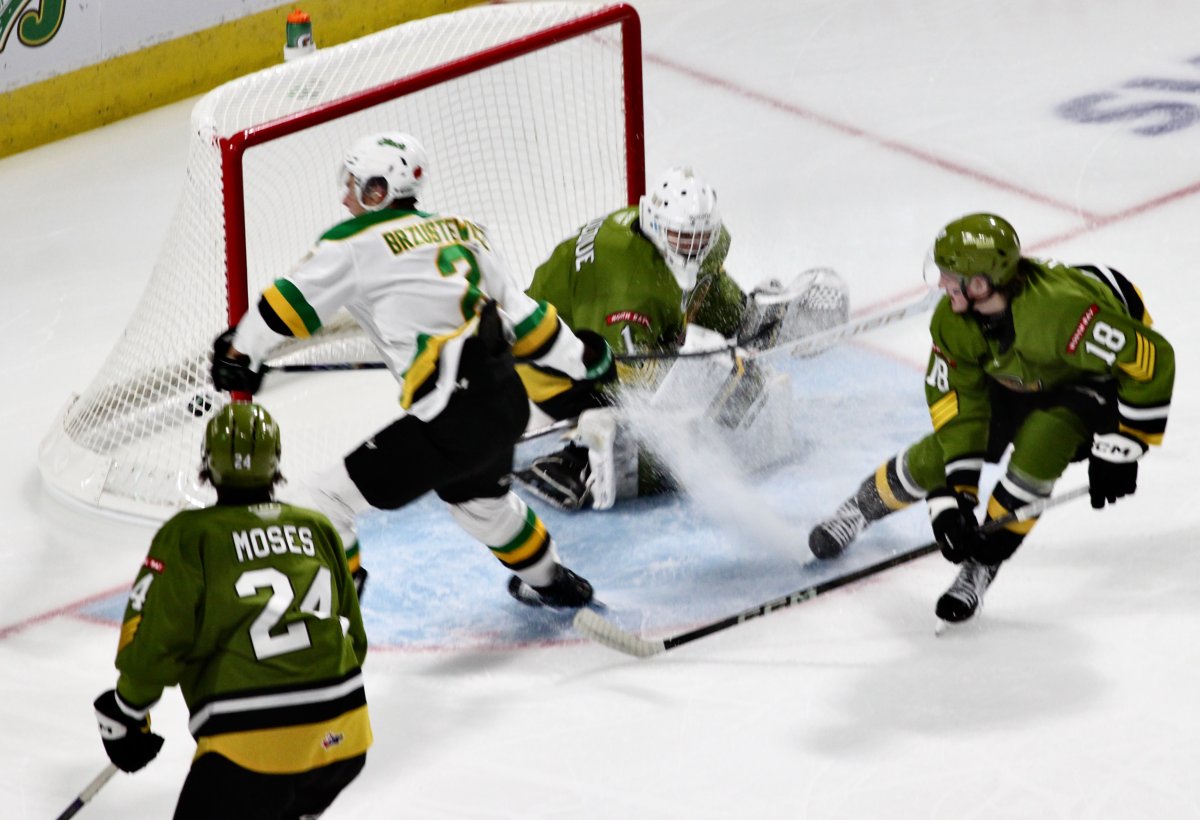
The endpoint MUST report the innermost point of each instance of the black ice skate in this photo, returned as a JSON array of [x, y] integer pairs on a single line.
[[834, 534], [566, 591], [965, 595]]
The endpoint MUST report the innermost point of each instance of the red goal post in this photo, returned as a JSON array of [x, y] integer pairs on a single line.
[[532, 118]]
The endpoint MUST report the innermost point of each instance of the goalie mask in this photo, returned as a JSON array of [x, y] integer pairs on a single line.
[[391, 164], [241, 447], [679, 215]]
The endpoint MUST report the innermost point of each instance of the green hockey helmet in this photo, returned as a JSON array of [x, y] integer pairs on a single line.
[[979, 245], [241, 447]]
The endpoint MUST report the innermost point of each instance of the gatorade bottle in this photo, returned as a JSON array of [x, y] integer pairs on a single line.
[[299, 40]]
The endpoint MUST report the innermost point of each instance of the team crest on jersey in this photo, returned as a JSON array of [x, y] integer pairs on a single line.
[[1081, 328], [332, 739], [627, 316], [154, 565]]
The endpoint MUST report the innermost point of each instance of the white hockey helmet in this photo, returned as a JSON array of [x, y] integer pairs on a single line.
[[396, 159], [679, 215]]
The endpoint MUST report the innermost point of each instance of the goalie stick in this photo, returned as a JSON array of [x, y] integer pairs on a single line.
[[603, 631], [813, 343], [89, 791]]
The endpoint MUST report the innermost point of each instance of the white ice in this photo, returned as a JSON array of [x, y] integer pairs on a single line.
[[839, 133]]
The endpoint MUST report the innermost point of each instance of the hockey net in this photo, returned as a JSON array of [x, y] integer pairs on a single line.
[[531, 115]]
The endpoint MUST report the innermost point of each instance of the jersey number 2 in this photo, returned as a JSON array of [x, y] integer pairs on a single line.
[[318, 602]]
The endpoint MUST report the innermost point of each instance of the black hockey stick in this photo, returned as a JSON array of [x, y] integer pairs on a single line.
[[89, 791], [812, 343], [806, 344], [606, 632]]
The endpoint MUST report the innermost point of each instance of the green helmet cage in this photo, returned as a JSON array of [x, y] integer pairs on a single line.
[[241, 447], [979, 245]]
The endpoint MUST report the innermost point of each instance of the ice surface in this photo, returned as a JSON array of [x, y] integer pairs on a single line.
[[837, 133]]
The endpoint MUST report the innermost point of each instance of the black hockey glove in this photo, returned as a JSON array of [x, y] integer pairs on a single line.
[[955, 526], [597, 358], [128, 740], [233, 373], [1112, 468]]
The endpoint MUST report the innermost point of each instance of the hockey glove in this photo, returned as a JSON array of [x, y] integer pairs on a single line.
[[233, 372], [126, 732], [955, 526], [1112, 468]]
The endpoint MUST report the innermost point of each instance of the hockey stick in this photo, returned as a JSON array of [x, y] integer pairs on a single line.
[[812, 343], [806, 344], [89, 791], [604, 631]]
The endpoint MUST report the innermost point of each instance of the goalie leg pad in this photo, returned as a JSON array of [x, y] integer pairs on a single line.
[[765, 435], [593, 471], [612, 457]]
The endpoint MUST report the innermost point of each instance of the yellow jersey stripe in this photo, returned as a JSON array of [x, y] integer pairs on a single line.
[[529, 341], [425, 363], [542, 386], [286, 313], [292, 749], [944, 409], [128, 631], [1142, 367]]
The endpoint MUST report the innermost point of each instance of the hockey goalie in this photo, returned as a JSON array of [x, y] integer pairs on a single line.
[[650, 279]]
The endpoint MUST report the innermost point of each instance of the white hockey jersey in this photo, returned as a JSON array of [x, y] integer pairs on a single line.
[[414, 282]]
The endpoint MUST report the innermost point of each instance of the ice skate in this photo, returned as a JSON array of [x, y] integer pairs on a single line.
[[831, 536], [964, 597], [566, 591]]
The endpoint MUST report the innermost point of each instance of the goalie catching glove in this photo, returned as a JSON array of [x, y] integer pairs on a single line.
[[777, 313], [128, 741], [1112, 468]]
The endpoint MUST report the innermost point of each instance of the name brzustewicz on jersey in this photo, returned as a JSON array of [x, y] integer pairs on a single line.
[[414, 282]]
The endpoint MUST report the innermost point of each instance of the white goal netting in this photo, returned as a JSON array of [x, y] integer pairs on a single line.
[[531, 115]]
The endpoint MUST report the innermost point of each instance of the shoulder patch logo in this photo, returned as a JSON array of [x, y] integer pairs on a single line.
[[627, 316], [1081, 329], [941, 354], [154, 565]]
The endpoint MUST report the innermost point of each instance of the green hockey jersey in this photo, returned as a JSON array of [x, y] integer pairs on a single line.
[[251, 610], [610, 279], [1069, 325]]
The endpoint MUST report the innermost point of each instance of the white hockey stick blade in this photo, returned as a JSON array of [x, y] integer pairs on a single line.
[[603, 631]]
